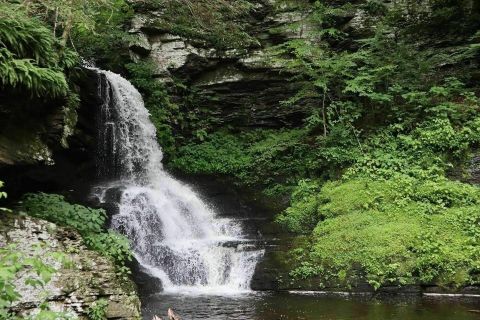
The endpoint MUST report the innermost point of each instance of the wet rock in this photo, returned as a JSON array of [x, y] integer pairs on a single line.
[[147, 283], [35, 154]]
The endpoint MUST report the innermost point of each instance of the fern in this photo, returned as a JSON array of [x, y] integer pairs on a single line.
[[26, 37], [24, 74], [30, 59]]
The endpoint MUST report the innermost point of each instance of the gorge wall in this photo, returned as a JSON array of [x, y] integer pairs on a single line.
[[236, 84], [219, 73], [240, 87]]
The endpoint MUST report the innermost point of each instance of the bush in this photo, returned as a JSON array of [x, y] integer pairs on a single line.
[[90, 223], [272, 159], [397, 231], [98, 310], [29, 59], [13, 264]]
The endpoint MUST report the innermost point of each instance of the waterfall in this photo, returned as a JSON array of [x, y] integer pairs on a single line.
[[174, 234]]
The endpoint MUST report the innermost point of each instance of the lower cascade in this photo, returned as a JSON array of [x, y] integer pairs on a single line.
[[175, 236]]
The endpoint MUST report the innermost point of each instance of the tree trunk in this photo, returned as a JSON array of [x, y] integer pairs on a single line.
[[66, 31], [324, 116]]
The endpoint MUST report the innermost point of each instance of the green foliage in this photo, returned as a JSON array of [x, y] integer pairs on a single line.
[[29, 59], [12, 265], [163, 113], [105, 39], [88, 222], [54, 208], [27, 37], [37, 38], [375, 78], [26, 75], [72, 19], [394, 218], [218, 23], [98, 310], [302, 215], [112, 245], [264, 158], [399, 231]]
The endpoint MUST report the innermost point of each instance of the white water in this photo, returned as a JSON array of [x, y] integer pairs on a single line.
[[174, 234]]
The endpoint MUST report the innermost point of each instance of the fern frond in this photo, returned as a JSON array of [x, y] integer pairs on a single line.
[[24, 74], [26, 37]]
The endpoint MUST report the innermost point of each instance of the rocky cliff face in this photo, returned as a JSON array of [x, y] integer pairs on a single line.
[[29, 128], [240, 85], [47, 146], [87, 277]]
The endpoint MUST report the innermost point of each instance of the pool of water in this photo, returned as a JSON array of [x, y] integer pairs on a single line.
[[285, 306]]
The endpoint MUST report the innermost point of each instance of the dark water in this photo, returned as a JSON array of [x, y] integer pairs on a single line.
[[286, 306]]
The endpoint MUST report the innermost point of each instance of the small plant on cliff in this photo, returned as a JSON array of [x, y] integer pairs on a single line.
[[90, 223], [218, 23], [98, 310], [14, 264]]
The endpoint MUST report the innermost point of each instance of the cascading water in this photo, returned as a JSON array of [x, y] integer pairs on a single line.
[[174, 235]]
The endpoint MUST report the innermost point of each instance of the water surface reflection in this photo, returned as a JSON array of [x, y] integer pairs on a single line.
[[287, 306]]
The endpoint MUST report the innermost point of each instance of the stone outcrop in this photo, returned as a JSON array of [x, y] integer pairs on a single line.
[[37, 154], [473, 168], [85, 278], [240, 86], [29, 128]]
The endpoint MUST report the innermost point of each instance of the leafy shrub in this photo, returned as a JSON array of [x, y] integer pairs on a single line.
[[110, 244], [397, 231], [29, 60], [272, 159], [54, 208], [89, 222], [98, 310], [302, 216], [12, 264]]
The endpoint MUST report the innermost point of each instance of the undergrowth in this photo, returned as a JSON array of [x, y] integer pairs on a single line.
[[90, 223]]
